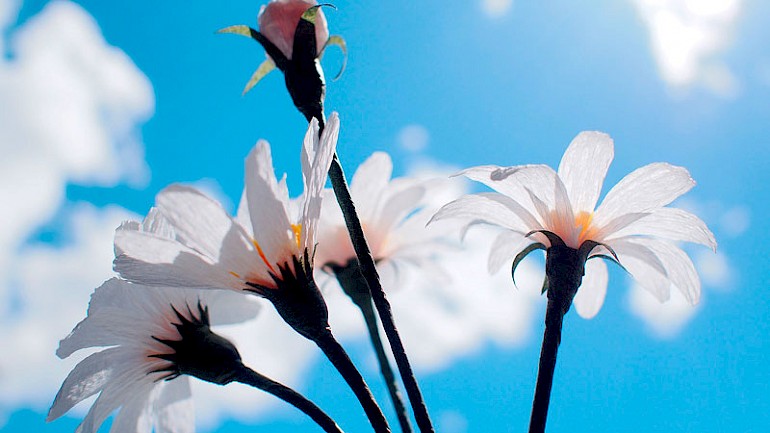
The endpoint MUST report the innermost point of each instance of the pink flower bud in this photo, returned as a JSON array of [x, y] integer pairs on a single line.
[[278, 22]]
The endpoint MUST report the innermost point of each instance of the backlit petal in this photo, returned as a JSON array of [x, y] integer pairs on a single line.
[[583, 168], [590, 296], [672, 224], [369, 183], [643, 190]]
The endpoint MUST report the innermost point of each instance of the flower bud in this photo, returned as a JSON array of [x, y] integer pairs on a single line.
[[278, 21]]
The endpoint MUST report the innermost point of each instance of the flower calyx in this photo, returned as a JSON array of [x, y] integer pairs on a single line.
[[200, 352], [297, 298]]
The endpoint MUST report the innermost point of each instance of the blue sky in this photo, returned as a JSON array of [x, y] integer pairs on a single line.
[[453, 85]]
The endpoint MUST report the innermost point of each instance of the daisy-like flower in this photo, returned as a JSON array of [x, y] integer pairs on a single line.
[[153, 338], [393, 214], [267, 249], [542, 208], [294, 33]]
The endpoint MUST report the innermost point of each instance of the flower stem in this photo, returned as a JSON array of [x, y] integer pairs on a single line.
[[354, 285], [369, 270], [252, 378], [564, 269], [551, 339], [336, 354]]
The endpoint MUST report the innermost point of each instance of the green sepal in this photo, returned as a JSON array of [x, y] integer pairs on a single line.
[[524, 253], [265, 68], [237, 30], [338, 41]]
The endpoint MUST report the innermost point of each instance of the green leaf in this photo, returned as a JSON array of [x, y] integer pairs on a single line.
[[263, 69], [338, 41], [524, 253]]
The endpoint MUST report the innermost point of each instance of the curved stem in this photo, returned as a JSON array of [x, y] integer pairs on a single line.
[[355, 287], [336, 354], [250, 377], [551, 339]]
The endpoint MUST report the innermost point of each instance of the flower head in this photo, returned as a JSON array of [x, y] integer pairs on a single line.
[[189, 240], [154, 336], [278, 21], [393, 214], [294, 34], [541, 207]]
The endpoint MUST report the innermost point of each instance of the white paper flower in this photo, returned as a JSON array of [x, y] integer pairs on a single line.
[[202, 246], [393, 214], [632, 222], [130, 322]]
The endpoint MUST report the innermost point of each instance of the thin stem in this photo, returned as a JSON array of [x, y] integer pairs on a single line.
[[354, 285], [551, 339], [369, 270], [336, 354], [250, 377]]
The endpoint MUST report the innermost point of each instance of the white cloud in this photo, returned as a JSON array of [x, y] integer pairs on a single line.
[[496, 8], [452, 421], [76, 105], [735, 221], [688, 37], [714, 269], [413, 138], [666, 319]]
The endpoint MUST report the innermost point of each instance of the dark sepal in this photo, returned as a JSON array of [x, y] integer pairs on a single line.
[[200, 352], [524, 253], [296, 298]]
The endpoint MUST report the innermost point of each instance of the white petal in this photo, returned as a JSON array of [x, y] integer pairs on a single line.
[[643, 190], [199, 222], [583, 168], [315, 179], [369, 182], [672, 224], [156, 222], [679, 267], [114, 394], [174, 409], [147, 259], [398, 206], [485, 208], [590, 295], [267, 205], [135, 414], [87, 378], [508, 187], [505, 247], [644, 266]]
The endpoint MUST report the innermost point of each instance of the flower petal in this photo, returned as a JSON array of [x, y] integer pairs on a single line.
[[316, 162], [672, 224], [645, 267], [174, 409], [679, 267], [643, 190], [267, 204], [199, 222], [484, 208], [369, 182], [583, 168], [590, 296], [147, 259], [398, 206], [87, 378], [505, 246]]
